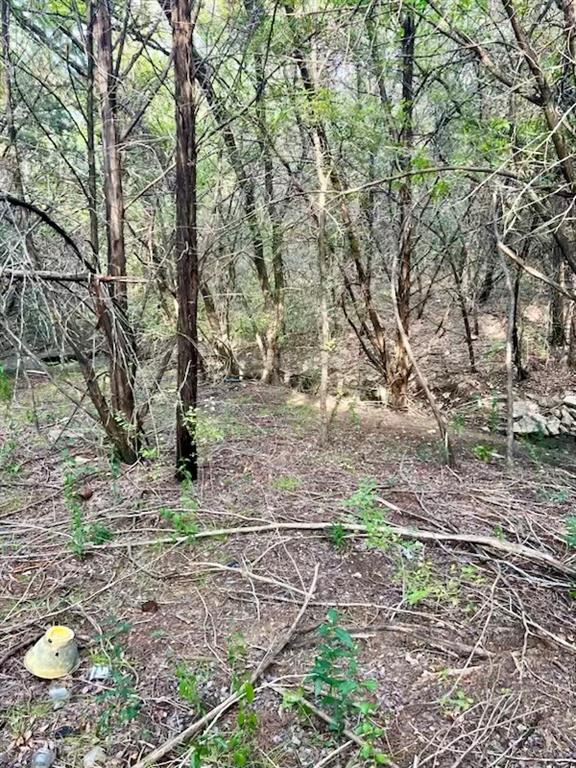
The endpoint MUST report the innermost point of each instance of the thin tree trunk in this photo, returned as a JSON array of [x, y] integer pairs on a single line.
[[186, 241], [557, 332], [16, 169], [324, 292], [465, 317], [571, 355], [442, 428], [91, 135], [120, 339], [510, 365], [521, 372], [402, 367]]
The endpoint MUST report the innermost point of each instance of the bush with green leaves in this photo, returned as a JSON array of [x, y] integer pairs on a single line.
[[341, 691]]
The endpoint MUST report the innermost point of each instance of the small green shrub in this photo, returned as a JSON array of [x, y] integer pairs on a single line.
[[484, 453], [5, 386], [286, 483]]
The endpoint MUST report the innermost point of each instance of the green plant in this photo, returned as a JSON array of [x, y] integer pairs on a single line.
[[456, 703], [237, 651], [458, 423], [571, 531], [334, 674], [236, 747], [363, 502], [189, 686], [5, 386], [286, 483], [149, 453], [183, 522], [484, 452], [7, 454], [341, 692], [554, 495], [337, 535], [420, 583], [120, 699], [81, 532]]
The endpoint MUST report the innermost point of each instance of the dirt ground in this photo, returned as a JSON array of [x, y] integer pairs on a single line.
[[472, 649]]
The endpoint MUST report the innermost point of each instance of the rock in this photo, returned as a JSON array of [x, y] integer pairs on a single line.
[[570, 399], [524, 408], [95, 757], [525, 426], [43, 758], [566, 417], [553, 425], [541, 424]]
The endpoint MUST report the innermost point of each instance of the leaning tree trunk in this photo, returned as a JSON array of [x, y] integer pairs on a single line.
[[186, 241]]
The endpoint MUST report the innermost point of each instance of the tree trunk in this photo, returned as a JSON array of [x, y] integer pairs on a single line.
[[521, 372], [402, 366], [120, 337], [557, 332], [91, 135], [465, 316], [120, 340], [186, 241], [220, 338], [16, 169]]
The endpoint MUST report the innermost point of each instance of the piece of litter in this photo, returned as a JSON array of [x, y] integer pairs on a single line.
[[59, 695], [43, 758], [95, 757], [99, 673]]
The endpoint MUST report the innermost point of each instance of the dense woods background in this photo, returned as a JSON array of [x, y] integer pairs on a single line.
[[315, 179]]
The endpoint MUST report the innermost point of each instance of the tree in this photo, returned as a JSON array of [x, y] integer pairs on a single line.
[[186, 249]]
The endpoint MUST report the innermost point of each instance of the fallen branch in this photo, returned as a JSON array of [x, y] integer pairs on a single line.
[[66, 277], [491, 542], [194, 728]]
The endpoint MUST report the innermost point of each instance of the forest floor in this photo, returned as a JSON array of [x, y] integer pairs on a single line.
[[470, 647]]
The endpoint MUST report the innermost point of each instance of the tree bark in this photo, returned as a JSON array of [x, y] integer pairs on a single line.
[[557, 332], [120, 339], [91, 135], [402, 366], [186, 241]]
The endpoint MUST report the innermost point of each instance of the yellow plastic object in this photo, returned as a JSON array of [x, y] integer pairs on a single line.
[[54, 655]]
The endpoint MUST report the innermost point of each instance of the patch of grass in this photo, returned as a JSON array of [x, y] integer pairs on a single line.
[[19, 718], [5, 386], [571, 531], [81, 532], [554, 495], [337, 536], [286, 483]]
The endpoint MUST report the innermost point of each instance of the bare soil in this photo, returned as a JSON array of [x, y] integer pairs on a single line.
[[472, 651]]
